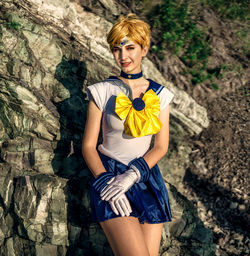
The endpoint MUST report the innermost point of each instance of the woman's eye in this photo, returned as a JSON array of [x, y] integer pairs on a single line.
[[130, 48]]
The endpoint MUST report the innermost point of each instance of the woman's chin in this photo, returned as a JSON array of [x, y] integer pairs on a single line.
[[126, 68], [129, 70]]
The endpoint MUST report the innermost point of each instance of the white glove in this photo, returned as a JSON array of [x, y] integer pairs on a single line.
[[120, 205], [119, 184]]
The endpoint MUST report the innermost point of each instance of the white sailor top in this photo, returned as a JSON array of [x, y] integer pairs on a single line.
[[116, 144]]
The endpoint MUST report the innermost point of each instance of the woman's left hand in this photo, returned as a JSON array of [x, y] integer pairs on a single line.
[[119, 184]]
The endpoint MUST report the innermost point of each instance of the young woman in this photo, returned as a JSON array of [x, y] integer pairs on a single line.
[[128, 196]]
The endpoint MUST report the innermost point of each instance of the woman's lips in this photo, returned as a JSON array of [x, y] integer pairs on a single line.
[[125, 64]]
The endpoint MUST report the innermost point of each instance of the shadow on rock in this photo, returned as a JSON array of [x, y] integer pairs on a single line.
[[68, 161], [186, 235], [221, 202]]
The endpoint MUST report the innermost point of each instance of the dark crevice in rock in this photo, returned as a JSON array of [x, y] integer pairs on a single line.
[[18, 223]]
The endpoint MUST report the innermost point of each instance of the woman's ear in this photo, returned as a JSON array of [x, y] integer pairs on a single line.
[[144, 51]]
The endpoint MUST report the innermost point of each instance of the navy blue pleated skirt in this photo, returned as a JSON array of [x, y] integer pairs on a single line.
[[149, 200]]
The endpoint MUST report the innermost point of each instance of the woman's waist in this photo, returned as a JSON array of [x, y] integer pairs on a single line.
[[117, 167], [122, 154]]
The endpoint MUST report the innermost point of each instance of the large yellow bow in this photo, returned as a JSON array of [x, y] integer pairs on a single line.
[[141, 114]]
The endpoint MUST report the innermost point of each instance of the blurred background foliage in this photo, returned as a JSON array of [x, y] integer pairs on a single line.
[[177, 23]]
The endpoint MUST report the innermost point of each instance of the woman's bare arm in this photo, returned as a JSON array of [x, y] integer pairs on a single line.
[[161, 141], [90, 138]]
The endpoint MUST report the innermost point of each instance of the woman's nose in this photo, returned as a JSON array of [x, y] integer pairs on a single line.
[[123, 54]]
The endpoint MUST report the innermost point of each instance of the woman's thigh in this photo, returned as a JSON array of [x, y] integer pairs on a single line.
[[125, 236], [152, 235]]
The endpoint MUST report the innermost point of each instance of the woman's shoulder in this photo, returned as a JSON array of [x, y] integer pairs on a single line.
[[100, 92], [105, 84], [164, 94], [159, 89]]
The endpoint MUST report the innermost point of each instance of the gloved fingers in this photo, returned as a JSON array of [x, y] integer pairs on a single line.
[[107, 183], [110, 192], [110, 180], [115, 192], [114, 209], [117, 195], [121, 205], [106, 189], [119, 208], [126, 204]]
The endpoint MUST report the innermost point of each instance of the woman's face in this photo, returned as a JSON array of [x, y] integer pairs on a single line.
[[128, 56]]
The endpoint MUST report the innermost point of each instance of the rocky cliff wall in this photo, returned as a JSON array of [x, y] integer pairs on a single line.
[[49, 52]]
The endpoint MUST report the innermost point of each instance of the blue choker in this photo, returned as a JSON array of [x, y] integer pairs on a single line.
[[131, 76]]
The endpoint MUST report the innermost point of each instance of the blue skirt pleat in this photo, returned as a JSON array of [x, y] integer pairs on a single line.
[[149, 200]]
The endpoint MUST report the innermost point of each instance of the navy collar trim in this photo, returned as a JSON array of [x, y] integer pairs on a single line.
[[157, 88]]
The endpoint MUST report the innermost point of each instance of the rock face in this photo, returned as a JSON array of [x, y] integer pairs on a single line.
[[49, 52]]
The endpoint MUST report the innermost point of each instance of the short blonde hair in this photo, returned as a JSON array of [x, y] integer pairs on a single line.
[[131, 26]]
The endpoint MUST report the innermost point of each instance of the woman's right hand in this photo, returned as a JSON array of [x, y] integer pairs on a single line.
[[121, 205]]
